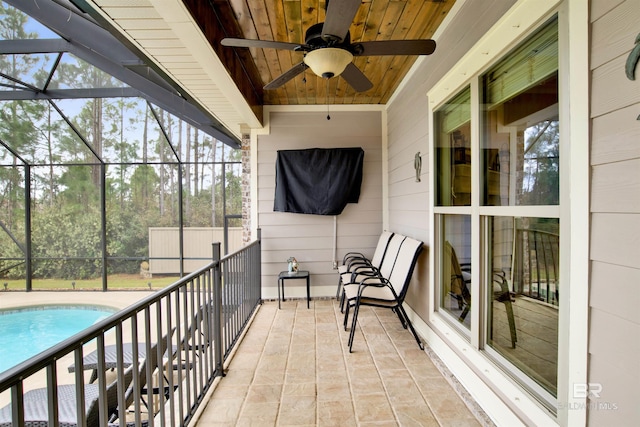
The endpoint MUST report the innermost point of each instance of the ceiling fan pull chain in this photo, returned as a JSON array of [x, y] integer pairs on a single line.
[[304, 72], [328, 116]]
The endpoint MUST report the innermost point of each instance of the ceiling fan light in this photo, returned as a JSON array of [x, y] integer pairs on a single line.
[[328, 62]]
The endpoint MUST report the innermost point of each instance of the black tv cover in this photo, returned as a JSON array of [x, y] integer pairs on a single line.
[[318, 181]]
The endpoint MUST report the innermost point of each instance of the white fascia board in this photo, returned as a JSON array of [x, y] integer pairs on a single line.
[[176, 15]]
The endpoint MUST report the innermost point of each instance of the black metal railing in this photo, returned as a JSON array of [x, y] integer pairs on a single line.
[[149, 364], [537, 265]]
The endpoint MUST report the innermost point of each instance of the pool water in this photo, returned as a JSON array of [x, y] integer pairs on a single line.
[[26, 331]]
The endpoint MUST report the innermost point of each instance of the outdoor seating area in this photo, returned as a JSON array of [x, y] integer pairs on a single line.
[[107, 358], [36, 402], [293, 367], [118, 382], [182, 182], [136, 374], [364, 283]]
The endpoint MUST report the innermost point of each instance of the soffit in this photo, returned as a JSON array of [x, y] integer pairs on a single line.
[[164, 32]]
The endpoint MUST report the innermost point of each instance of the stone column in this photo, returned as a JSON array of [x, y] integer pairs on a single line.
[[246, 188]]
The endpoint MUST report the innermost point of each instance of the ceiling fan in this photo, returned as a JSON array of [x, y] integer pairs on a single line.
[[328, 50]]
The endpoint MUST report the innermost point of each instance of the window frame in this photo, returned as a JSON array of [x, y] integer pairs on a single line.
[[522, 20]]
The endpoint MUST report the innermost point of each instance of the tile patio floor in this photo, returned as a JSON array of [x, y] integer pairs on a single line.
[[293, 368]]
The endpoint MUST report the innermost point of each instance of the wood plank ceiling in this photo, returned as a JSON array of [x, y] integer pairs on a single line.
[[287, 20]]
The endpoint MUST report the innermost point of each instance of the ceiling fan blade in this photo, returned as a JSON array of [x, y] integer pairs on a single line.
[[340, 14], [286, 76], [261, 44], [356, 78], [394, 47]]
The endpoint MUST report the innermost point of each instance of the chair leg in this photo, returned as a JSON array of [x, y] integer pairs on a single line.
[[505, 297], [339, 287], [354, 322], [408, 322], [512, 322], [464, 313], [402, 320], [346, 314]]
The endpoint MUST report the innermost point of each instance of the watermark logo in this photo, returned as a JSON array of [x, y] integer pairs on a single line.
[[591, 391], [587, 390]]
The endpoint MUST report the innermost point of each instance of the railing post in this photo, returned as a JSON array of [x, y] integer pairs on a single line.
[[17, 406], [258, 267], [217, 311]]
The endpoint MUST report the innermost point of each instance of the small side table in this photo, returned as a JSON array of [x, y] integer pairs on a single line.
[[284, 275]]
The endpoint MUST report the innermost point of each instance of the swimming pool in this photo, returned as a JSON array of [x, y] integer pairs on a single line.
[[26, 331]]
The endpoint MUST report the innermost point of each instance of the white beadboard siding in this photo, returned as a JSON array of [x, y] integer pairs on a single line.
[[165, 32], [614, 324], [310, 238]]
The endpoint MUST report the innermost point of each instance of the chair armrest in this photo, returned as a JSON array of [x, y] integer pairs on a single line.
[[465, 266], [366, 269], [368, 272], [358, 262], [350, 255], [378, 282]]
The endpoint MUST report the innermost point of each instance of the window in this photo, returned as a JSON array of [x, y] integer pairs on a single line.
[[453, 151], [455, 265], [453, 188], [523, 293], [520, 143], [496, 200]]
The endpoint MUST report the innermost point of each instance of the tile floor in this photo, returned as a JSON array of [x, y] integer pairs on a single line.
[[293, 368]]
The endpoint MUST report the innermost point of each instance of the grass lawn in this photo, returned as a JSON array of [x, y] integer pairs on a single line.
[[115, 282]]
